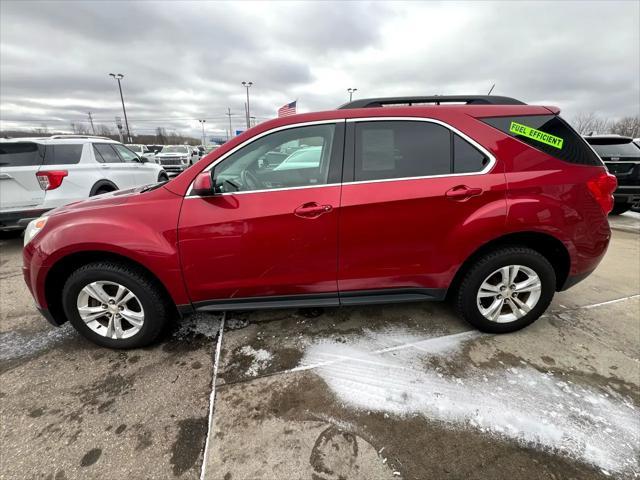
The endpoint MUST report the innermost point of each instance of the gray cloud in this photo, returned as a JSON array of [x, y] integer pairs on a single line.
[[183, 61]]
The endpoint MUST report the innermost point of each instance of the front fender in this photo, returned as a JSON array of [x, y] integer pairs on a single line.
[[143, 231]]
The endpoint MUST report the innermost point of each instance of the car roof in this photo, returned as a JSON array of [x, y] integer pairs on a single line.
[[60, 140]]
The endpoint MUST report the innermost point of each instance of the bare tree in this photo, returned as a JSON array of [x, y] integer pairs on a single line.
[[627, 126], [41, 130], [103, 130], [589, 123], [79, 129]]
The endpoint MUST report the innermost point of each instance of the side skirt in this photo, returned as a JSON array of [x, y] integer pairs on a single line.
[[364, 297]]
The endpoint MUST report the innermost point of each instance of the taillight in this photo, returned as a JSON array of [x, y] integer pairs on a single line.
[[51, 179], [602, 188]]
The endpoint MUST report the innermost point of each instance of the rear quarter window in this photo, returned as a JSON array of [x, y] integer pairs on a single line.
[[550, 134], [20, 154], [63, 154]]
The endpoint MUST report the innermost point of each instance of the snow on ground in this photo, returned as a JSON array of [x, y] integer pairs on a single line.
[[19, 344], [393, 372], [260, 359]]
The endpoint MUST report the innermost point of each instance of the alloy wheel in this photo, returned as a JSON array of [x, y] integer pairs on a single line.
[[110, 310], [509, 293]]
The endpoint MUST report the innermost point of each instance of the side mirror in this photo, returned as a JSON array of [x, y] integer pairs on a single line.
[[194, 153], [203, 184], [143, 159]]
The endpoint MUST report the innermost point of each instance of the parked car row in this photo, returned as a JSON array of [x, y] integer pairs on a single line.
[[39, 174], [621, 155]]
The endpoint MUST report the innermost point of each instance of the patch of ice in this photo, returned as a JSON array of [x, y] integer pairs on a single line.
[[378, 373], [14, 345], [260, 359]]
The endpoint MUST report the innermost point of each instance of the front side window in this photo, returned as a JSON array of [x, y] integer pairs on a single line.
[[401, 149], [126, 154], [105, 153], [296, 157]]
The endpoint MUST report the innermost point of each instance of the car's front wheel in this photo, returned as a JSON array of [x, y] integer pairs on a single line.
[[506, 290], [114, 305]]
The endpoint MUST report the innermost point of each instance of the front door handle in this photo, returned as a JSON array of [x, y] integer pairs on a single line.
[[460, 193], [311, 210]]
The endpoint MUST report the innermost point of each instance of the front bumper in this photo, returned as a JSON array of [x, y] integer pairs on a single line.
[[19, 218], [627, 194]]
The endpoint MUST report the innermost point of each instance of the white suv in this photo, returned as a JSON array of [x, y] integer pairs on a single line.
[[38, 174], [142, 151], [177, 158]]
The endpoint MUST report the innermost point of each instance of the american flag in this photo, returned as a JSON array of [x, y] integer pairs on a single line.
[[288, 109]]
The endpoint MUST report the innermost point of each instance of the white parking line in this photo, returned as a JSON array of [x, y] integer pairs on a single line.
[[212, 396], [608, 302]]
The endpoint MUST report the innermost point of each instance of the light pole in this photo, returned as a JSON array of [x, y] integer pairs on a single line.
[[247, 85], [202, 122], [118, 77], [350, 91]]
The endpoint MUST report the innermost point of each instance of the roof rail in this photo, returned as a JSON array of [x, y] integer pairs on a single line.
[[58, 137], [436, 99]]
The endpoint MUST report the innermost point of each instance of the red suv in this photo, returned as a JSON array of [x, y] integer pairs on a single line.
[[486, 200]]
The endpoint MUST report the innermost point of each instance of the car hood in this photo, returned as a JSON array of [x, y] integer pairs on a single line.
[[111, 199]]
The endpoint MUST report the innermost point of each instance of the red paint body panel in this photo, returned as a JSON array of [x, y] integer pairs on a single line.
[[387, 234], [142, 227], [252, 244]]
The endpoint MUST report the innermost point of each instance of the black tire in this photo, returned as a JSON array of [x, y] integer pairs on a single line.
[[466, 296], [154, 303], [619, 208]]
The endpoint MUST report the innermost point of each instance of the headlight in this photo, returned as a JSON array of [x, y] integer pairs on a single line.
[[34, 227]]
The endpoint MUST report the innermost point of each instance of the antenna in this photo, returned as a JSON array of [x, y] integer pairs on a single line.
[[491, 89]]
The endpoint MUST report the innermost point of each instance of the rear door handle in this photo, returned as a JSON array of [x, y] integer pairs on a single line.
[[106, 167], [311, 210], [460, 193], [5, 176]]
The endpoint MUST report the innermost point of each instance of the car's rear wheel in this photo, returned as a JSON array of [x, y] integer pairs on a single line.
[[619, 208], [163, 177], [506, 290], [102, 190], [114, 305]]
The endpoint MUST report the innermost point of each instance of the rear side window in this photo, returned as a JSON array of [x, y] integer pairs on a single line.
[[22, 154], [105, 153], [63, 154], [466, 157], [548, 133], [401, 149]]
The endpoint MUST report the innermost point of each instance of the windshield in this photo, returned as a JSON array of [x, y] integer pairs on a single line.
[[629, 149], [174, 149]]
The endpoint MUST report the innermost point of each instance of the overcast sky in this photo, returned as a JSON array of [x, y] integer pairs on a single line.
[[183, 61]]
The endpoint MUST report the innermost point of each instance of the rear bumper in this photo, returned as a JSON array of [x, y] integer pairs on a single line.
[[19, 218], [573, 280]]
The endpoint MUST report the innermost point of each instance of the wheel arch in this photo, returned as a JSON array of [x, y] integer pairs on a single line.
[[102, 183], [547, 245], [60, 271]]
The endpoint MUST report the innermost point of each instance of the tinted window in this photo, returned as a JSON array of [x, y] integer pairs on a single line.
[[466, 157], [19, 154], [629, 149], [126, 154], [400, 149], [270, 162], [105, 153], [62, 154], [548, 133]]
